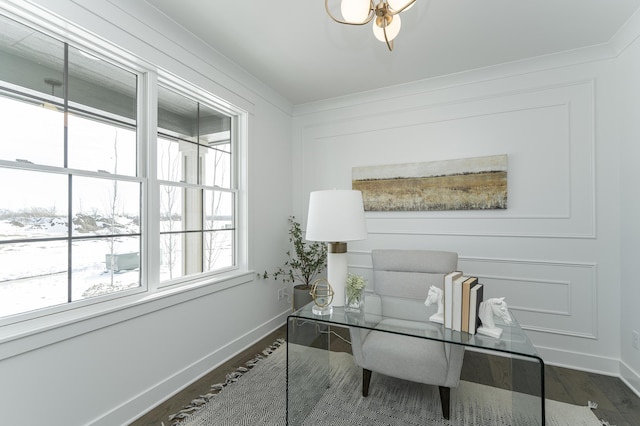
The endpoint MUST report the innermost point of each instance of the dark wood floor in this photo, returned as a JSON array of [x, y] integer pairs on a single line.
[[617, 404]]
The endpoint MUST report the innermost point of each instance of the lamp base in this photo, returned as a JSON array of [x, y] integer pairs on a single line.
[[317, 310], [337, 271]]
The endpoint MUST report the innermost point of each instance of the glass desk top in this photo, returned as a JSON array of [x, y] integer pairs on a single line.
[[411, 318]]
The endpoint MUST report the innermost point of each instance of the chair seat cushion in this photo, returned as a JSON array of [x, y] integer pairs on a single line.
[[409, 358]]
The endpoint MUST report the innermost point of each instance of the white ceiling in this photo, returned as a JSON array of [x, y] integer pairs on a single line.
[[295, 48]]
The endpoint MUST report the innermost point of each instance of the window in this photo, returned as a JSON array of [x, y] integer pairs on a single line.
[[76, 185], [197, 189], [70, 191]]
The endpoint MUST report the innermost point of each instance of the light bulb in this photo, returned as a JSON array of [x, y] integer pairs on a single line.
[[393, 28], [355, 10], [396, 5]]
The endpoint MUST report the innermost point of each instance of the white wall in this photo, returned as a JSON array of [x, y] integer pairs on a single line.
[[555, 252], [628, 68], [117, 363]]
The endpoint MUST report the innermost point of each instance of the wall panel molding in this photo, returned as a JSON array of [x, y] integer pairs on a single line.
[[558, 297], [547, 296], [547, 132], [553, 253]]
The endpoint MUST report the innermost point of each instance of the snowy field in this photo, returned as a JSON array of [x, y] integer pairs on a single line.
[[34, 275]]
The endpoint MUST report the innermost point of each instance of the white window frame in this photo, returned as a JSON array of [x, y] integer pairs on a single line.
[[118, 306], [238, 117]]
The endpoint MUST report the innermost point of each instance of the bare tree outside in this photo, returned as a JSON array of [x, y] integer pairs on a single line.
[[214, 240], [113, 210], [169, 244]]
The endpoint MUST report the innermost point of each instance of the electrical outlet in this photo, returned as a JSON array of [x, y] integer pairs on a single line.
[[635, 340], [281, 293]]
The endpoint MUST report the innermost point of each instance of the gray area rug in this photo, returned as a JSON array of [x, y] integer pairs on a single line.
[[258, 398]]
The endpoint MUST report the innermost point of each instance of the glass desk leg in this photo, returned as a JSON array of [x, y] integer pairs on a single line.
[[307, 367], [528, 399]]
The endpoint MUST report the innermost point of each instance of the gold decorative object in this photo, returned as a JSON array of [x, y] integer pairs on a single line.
[[322, 294]]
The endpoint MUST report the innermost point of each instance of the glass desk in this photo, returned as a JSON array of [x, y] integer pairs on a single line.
[[308, 352]]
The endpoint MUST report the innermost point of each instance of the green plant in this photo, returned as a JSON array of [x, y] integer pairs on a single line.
[[355, 284], [304, 262]]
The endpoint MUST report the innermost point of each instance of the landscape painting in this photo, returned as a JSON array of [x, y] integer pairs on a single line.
[[462, 184]]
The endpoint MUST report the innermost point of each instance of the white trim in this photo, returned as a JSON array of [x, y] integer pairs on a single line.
[[147, 158], [630, 377], [25, 336], [146, 126], [608, 366], [130, 410], [626, 35]]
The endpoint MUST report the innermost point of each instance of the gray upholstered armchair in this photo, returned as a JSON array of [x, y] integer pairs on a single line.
[[400, 279]]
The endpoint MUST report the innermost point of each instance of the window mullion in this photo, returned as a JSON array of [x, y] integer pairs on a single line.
[[65, 102], [148, 168]]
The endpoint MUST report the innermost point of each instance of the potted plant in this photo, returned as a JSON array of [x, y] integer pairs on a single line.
[[304, 263]]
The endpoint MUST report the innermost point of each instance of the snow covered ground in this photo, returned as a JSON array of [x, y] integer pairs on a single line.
[[34, 275]]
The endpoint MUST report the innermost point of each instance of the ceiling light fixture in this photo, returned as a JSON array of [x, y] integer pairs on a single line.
[[386, 24], [53, 83]]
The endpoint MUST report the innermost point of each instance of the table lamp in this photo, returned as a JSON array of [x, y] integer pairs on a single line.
[[335, 217]]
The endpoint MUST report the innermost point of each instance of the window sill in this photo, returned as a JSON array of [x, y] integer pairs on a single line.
[[32, 334]]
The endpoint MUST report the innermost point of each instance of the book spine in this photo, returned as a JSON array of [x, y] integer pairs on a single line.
[[475, 298], [466, 303], [466, 294], [457, 305], [448, 297], [478, 300]]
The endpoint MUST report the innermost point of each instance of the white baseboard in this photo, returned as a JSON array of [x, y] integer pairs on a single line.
[[585, 362], [580, 361], [142, 403], [630, 377], [573, 360], [594, 364]]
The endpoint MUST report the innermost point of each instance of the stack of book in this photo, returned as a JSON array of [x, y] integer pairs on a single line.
[[462, 297]]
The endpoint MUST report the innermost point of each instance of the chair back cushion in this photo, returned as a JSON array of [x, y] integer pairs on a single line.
[[400, 276], [410, 273]]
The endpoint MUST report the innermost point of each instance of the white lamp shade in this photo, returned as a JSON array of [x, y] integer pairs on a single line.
[[392, 29], [355, 10], [336, 216], [396, 5]]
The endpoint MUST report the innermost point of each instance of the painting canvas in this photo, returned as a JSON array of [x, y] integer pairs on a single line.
[[462, 184]]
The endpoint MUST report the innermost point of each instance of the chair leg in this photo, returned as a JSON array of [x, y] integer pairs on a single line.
[[445, 398], [366, 379]]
